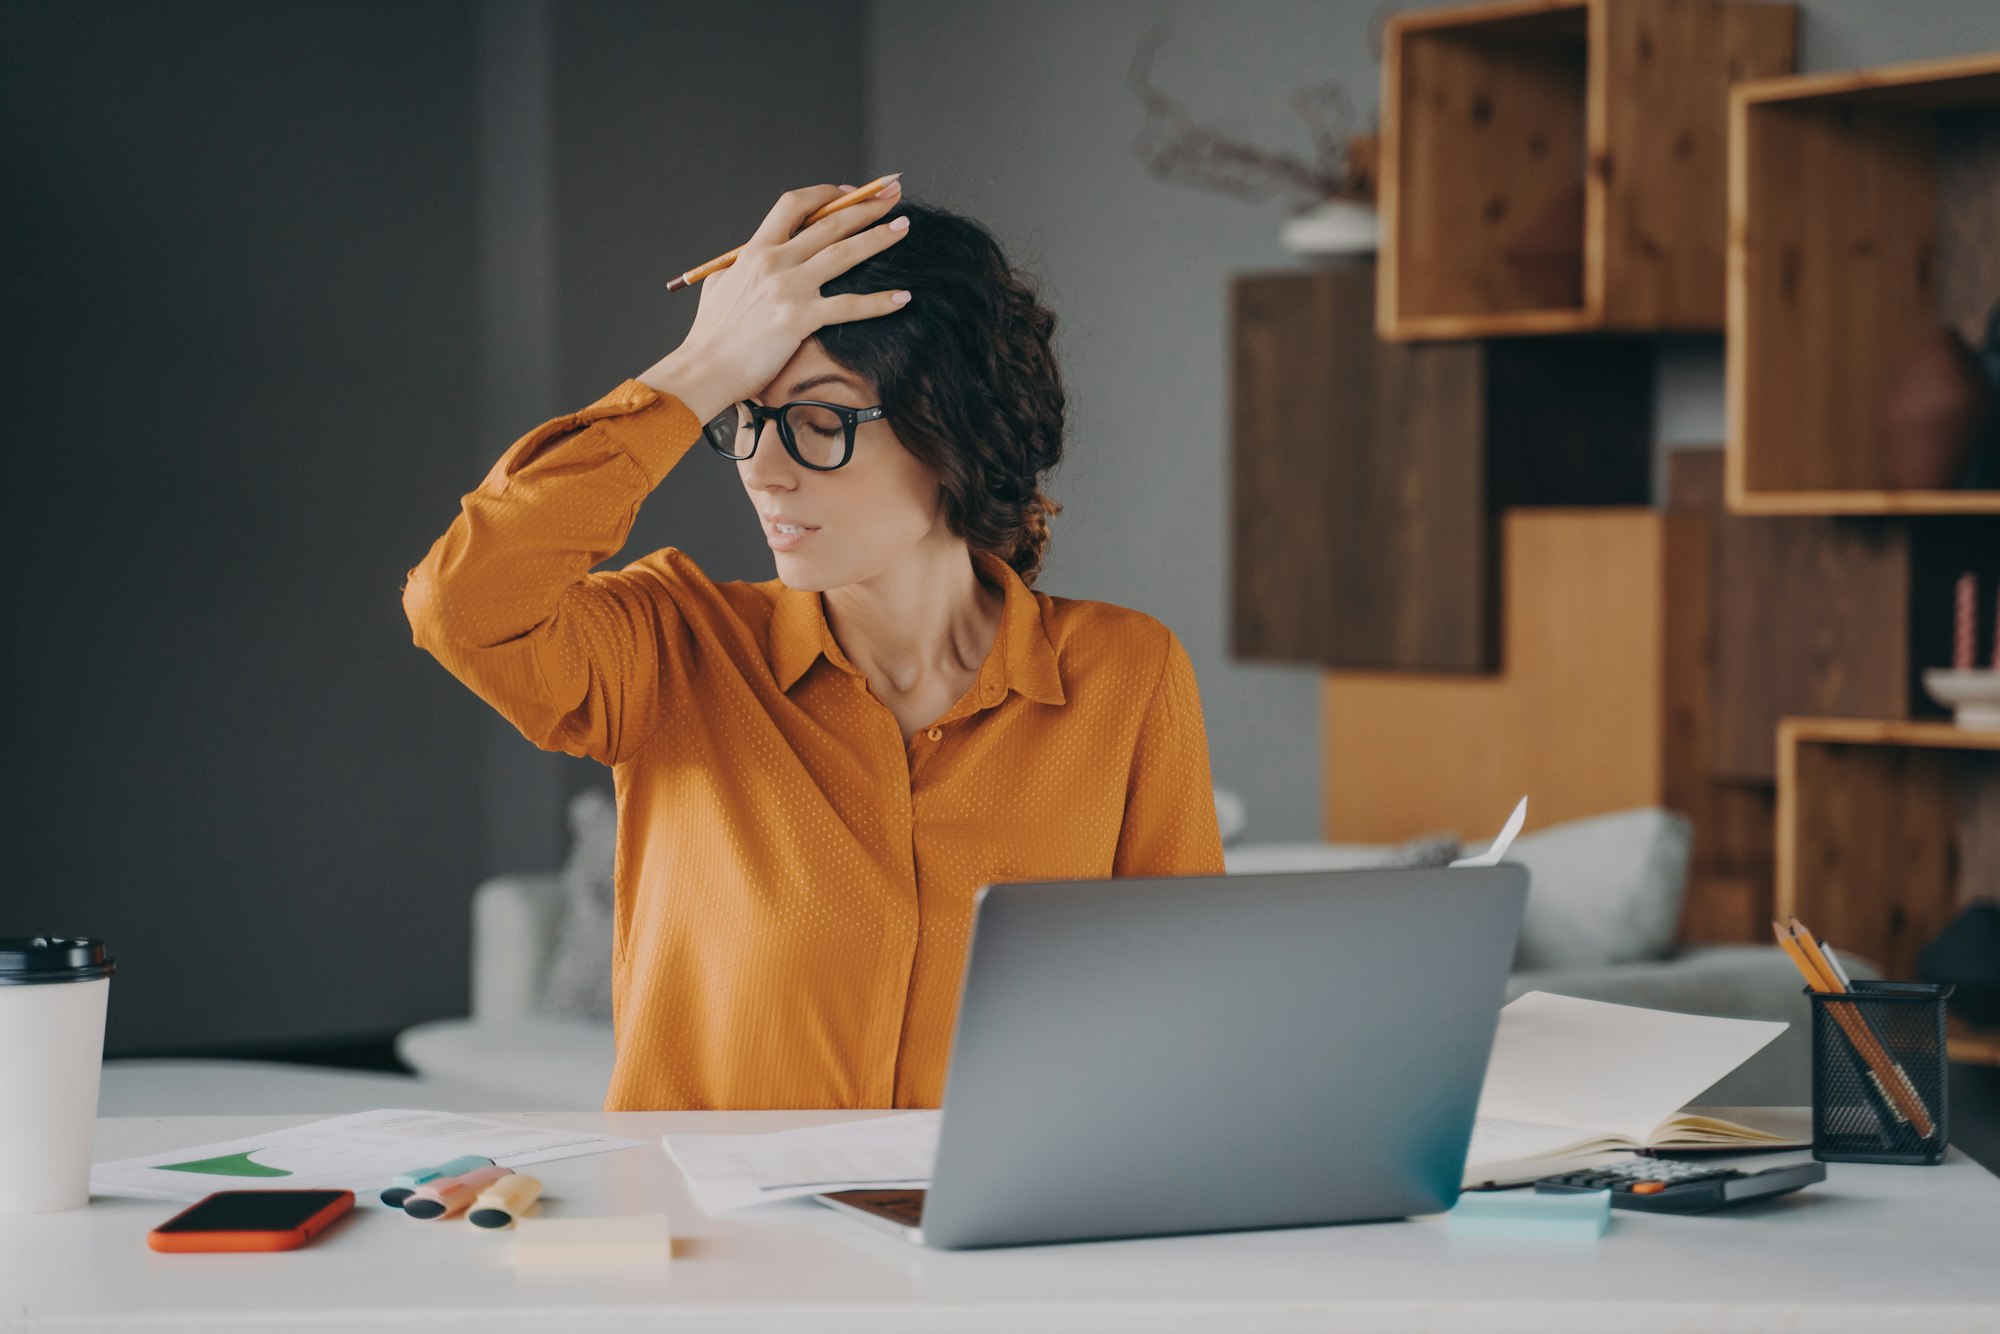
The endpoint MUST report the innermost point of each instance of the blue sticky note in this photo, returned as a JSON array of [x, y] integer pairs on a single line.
[[1529, 1215]]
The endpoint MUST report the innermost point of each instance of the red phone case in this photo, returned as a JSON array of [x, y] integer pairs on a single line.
[[271, 1239]]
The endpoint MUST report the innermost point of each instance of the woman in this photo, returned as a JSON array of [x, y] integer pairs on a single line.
[[815, 774]]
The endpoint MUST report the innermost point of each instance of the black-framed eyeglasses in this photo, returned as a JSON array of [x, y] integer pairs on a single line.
[[819, 435]]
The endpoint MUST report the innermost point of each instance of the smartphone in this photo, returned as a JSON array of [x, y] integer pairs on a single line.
[[251, 1220]]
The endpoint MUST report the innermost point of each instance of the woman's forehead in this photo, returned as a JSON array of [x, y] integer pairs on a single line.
[[811, 371]]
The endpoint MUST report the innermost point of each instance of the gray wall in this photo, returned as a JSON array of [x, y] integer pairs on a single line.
[[1020, 114], [239, 380]]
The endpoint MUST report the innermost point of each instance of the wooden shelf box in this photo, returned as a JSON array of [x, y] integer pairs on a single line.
[[1822, 616], [1605, 704], [1559, 165], [1580, 717], [1864, 213], [1885, 830], [1366, 476]]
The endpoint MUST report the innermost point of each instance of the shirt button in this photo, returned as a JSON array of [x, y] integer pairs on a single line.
[[935, 733]]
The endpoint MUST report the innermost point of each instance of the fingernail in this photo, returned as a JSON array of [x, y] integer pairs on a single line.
[[891, 188], [900, 225], [899, 298]]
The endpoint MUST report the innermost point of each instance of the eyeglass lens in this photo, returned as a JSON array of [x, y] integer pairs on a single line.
[[817, 433]]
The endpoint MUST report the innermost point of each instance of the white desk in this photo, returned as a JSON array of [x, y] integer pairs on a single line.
[[1870, 1249]]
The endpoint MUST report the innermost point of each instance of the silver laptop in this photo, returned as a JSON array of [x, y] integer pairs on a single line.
[[1204, 1053]]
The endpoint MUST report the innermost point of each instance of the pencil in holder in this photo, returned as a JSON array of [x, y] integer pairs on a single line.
[[1878, 1073]]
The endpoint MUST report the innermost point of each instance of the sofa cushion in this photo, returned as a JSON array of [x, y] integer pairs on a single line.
[[555, 1062], [577, 984], [180, 1086], [1602, 890]]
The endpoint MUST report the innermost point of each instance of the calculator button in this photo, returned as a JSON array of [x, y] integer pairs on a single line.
[[1649, 1187]]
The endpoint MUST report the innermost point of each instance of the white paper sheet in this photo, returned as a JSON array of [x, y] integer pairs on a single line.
[[732, 1171], [1498, 850], [362, 1151], [1614, 1069]]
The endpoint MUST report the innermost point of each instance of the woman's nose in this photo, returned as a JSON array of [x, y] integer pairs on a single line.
[[769, 465]]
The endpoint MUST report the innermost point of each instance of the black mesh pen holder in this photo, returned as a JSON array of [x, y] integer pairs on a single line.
[[1878, 1073]]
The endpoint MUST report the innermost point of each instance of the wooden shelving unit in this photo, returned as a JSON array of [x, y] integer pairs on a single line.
[[1874, 848], [1558, 166], [1367, 476], [1820, 616], [1864, 211], [1578, 718], [1579, 170], [1972, 1046], [1602, 705]]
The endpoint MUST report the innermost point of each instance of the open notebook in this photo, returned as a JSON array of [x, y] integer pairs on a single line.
[[1576, 1083]]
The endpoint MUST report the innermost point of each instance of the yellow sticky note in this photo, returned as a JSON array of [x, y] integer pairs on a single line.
[[626, 1240]]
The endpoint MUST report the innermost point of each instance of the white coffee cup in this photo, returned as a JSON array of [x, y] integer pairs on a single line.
[[53, 992]]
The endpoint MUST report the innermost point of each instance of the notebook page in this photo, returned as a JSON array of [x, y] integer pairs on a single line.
[[1752, 1126], [1503, 1152], [1613, 1069]]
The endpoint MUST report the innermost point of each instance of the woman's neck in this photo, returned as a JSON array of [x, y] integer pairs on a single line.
[[926, 617]]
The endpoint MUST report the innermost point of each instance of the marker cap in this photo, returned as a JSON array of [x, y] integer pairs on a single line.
[[505, 1200], [449, 1195]]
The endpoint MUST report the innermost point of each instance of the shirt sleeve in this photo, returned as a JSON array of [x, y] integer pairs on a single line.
[[1170, 826], [579, 662]]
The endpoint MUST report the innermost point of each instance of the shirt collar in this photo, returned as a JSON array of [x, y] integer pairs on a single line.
[[1026, 662]]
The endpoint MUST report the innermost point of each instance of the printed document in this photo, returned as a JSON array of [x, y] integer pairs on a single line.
[[730, 1171], [361, 1151]]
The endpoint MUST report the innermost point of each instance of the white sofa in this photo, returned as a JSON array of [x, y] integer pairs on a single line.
[[514, 921]]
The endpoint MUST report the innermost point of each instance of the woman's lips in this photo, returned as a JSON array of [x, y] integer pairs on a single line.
[[780, 539]]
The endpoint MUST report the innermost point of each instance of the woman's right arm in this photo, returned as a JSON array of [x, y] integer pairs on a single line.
[[579, 661], [505, 600]]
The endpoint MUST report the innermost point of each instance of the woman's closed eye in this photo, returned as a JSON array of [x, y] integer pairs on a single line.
[[821, 421]]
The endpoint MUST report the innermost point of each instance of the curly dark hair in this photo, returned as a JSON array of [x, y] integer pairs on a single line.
[[967, 374]]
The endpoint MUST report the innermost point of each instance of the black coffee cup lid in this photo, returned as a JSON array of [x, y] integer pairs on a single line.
[[26, 959]]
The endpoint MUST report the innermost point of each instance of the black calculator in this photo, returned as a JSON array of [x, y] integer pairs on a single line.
[[1667, 1186]]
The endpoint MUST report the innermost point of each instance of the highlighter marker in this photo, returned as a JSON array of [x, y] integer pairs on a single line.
[[404, 1184], [504, 1201], [449, 1195]]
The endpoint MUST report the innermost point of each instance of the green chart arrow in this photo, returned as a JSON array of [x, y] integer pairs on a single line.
[[228, 1165]]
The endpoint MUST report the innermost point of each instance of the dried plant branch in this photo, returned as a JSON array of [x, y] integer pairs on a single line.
[[1174, 147]]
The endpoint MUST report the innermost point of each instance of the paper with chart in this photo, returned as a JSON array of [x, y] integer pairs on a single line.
[[1577, 1079], [731, 1171], [361, 1151]]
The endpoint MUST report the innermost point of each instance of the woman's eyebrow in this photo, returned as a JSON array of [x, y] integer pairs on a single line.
[[828, 378]]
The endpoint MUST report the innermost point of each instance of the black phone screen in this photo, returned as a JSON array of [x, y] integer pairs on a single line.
[[251, 1211]]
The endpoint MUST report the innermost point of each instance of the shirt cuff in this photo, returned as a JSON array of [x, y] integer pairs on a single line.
[[656, 429]]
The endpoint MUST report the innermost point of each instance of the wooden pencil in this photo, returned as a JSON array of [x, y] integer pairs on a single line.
[[848, 200], [1891, 1077]]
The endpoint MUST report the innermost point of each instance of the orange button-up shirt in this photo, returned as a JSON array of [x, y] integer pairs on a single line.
[[794, 882]]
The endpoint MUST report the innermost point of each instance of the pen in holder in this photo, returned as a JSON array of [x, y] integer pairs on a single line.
[[1878, 1073]]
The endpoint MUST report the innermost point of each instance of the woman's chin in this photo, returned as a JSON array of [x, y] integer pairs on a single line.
[[798, 570]]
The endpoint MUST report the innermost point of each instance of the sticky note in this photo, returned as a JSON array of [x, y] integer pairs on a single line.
[[1529, 1215], [626, 1240]]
